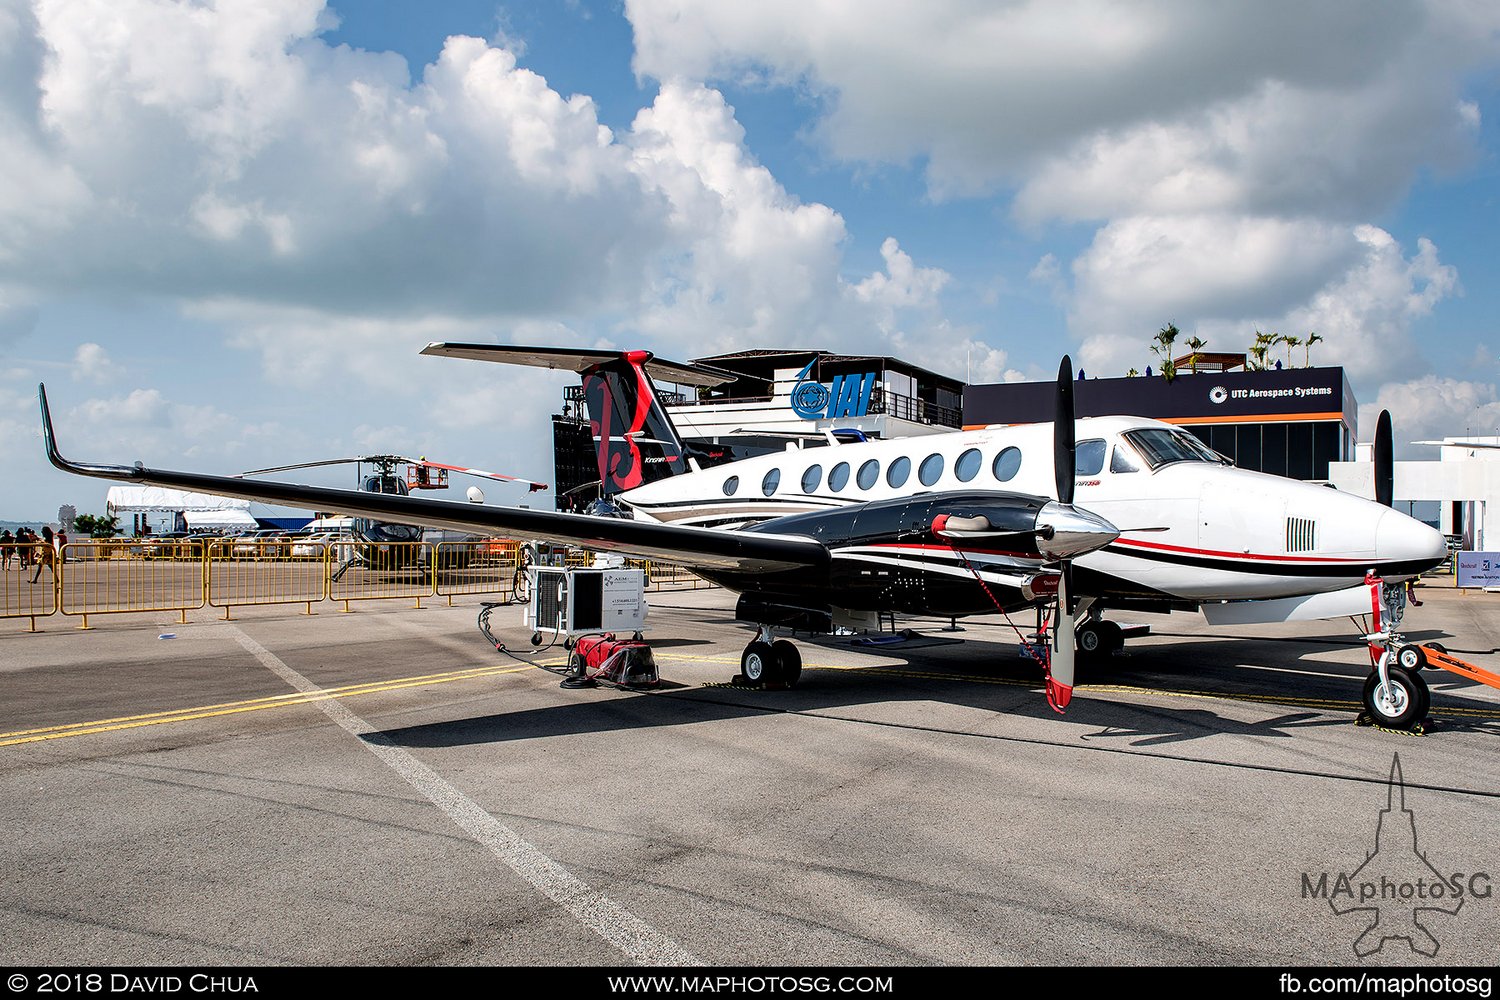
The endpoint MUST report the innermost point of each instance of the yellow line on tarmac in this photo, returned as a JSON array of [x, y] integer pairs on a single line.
[[251, 705]]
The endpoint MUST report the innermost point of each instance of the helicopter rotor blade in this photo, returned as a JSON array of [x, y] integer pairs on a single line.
[[531, 485], [301, 465]]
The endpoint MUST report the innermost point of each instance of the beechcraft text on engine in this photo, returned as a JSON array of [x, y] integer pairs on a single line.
[[1079, 517]]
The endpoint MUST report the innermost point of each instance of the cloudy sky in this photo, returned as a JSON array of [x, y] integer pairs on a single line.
[[226, 228]]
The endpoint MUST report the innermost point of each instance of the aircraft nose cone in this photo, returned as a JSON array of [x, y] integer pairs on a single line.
[[1408, 544], [1074, 532]]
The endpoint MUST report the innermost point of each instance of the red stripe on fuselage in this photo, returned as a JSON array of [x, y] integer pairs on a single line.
[[1246, 556]]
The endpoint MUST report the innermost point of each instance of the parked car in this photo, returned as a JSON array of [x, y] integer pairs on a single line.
[[313, 546], [267, 543], [172, 545]]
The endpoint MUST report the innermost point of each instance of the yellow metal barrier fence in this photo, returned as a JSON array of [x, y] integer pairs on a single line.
[[153, 575], [378, 571], [482, 567], [662, 575], [19, 597], [113, 577], [244, 572]]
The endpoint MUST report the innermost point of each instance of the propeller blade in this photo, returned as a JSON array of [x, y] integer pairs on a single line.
[[1385, 469], [1064, 443], [1159, 527], [1064, 656]]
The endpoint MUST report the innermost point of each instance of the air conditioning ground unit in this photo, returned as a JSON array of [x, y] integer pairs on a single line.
[[569, 601]]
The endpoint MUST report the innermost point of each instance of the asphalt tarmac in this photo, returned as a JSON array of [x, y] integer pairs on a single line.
[[383, 787]]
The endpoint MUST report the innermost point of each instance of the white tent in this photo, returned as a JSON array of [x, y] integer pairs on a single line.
[[218, 520], [202, 511]]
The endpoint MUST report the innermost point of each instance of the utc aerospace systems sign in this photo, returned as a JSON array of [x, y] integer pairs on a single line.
[[849, 396]]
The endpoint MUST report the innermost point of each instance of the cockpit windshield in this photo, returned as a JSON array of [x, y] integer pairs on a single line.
[[1162, 447]]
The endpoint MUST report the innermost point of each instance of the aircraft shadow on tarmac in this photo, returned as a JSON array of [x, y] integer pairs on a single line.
[[989, 676]]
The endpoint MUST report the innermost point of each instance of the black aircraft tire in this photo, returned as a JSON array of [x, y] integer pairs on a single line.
[[1091, 641], [788, 661], [1408, 706], [1436, 647], [758, 663], [1411, 658], [1114, 636]]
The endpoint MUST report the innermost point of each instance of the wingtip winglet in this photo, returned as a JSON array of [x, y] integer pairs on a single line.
[[55, 457], [48, 438]]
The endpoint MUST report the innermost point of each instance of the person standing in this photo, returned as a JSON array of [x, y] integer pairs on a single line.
[[7, 548], [46, 555]]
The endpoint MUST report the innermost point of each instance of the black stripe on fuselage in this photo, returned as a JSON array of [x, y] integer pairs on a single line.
[[1264, 568]]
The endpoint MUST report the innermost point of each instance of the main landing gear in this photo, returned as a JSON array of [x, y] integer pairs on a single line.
[[1098, 638], [769, 662]]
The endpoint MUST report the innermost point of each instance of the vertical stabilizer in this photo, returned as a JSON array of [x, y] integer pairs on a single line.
[[634, 440]]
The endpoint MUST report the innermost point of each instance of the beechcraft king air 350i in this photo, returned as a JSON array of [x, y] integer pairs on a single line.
[[1077, 516]]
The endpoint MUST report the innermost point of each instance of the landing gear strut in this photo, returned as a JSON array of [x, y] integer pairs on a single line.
[[1395, 695], [768, 662]]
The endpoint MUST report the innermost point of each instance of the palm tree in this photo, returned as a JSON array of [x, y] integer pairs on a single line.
[[1163, 349], [1197, 344], [1132, 373], [1290, 343], [1260, 349], [1312, 338]]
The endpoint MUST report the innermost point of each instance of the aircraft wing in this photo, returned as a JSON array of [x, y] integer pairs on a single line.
[[698, 548]]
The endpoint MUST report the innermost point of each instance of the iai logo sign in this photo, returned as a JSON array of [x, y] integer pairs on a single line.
[[1218, 394], [849, 396]]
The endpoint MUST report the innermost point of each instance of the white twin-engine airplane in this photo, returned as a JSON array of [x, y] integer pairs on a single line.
[[1082, 517]]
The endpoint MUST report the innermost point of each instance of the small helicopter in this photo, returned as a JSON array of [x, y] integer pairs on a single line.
[[400, 476]]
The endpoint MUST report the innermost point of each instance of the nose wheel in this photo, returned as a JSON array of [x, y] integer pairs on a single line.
[[1400, 701]]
